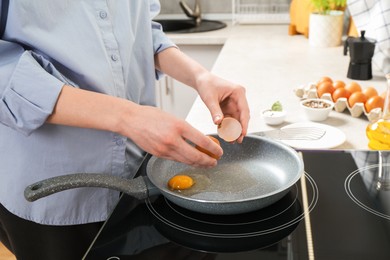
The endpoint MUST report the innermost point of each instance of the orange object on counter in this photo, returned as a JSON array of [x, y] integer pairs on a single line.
[[352, 30], [325, 87], [374, 102], [299, 17]]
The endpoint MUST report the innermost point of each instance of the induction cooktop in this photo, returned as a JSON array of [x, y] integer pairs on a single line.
[[339, 209]]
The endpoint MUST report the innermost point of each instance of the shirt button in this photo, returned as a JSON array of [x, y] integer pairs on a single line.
[[119, 142], [103, 14], [114, 57]]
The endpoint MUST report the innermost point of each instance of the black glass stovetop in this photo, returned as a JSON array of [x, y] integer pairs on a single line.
[[340, 209]]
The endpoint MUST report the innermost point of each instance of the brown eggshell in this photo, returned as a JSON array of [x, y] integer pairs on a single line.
[[230, 129]]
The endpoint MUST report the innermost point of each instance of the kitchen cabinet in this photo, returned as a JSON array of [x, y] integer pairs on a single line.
[[177, 98]]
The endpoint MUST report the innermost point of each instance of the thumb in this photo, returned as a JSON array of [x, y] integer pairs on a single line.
[[217, 118], [216, 112]]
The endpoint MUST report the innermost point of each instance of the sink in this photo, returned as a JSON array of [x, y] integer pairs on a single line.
[[189, 26]]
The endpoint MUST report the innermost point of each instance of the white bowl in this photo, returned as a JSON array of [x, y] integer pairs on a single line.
[[273, 117], [318, 110]]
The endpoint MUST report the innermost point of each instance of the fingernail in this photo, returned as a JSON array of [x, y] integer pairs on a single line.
[[217, 118]]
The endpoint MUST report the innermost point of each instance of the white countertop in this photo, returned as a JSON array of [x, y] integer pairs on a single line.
[[270, 64]]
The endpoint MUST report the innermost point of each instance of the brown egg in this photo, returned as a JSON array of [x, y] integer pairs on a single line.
[[229, 129], [356, 97], [338, 84], [353, 87], [340, 93], [374, 102], [370, 92], [325, 87], [325, 79], [207, 151]]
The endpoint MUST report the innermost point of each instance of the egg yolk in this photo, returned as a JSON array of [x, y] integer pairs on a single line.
[[180, 182]]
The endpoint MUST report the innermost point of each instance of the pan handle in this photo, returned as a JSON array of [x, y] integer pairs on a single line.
[[139, 187]]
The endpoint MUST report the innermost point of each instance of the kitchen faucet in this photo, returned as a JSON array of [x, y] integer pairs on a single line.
[[195, 13]]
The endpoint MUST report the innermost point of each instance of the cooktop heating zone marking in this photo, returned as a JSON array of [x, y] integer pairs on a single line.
[[348, 189], [309, 208]]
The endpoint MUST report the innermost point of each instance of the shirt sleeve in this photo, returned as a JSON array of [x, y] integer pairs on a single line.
[[160, 40], [29, 88]]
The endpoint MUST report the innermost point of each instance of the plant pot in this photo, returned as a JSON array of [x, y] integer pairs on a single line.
[[325, 30]]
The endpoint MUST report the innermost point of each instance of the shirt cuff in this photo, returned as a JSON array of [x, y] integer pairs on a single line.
[[30, 95]]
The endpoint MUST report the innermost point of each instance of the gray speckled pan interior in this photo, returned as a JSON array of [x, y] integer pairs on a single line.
[[253, 174]]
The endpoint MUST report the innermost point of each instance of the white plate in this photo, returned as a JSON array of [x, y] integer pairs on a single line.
[[332, 138]]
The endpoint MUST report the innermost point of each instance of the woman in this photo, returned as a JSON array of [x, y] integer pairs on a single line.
[[77, 95]]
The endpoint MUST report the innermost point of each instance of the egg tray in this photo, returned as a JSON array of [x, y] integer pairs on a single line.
[[340, 105]]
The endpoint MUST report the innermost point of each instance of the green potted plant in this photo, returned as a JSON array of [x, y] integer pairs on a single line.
[[326, 22], [326, 6]]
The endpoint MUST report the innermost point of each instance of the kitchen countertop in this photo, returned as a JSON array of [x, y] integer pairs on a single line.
[[271, 64]]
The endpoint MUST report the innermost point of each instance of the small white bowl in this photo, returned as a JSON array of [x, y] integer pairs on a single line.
[[273, 117], [318, 110]]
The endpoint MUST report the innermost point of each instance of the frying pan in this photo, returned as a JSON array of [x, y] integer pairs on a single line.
[[248, 177]]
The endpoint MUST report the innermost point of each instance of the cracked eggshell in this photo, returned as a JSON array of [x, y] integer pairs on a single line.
[[229, 129]]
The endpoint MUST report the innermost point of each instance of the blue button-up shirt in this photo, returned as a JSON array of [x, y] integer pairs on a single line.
[[97, 45]]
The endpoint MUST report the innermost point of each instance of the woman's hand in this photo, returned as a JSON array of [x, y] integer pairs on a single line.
[[224, 98], [166, 136]]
